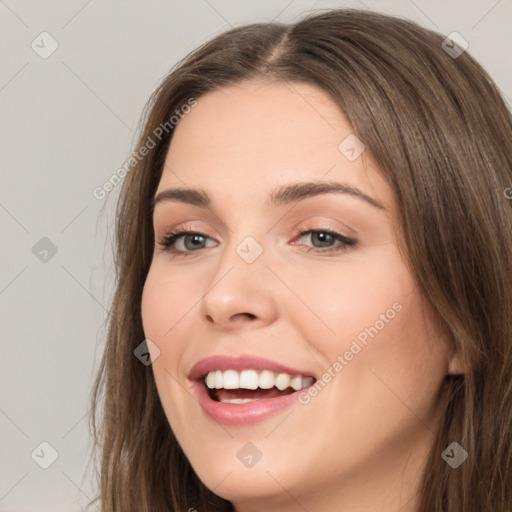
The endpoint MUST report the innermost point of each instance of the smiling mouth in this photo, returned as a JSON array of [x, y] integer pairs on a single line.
[[233, 387]]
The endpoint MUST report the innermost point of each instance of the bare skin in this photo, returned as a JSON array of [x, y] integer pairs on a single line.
[[360, 444]]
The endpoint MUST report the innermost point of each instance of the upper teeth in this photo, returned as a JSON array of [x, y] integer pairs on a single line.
[[249, 379]]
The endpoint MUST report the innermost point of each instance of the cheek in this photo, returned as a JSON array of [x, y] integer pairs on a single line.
[[166, 309], [346, 300], [370, 313], [165, 302]]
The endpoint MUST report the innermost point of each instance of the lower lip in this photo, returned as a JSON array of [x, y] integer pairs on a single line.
[[243, 414]]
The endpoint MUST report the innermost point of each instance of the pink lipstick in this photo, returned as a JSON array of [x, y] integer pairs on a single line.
[[243, 390]]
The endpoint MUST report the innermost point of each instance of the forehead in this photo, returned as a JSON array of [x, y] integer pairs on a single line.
[[243, 118], [258, 135]]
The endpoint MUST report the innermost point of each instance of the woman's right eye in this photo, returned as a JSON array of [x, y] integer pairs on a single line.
[[189, 240]]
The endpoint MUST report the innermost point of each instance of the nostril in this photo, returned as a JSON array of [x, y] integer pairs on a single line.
[[249, 315]]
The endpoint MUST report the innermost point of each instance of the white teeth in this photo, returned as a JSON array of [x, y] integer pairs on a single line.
[[267, 379], [219, 381], [238, 400], [210, 380], [296, 382], [306, 381], [250, 379], [231, 379], [282, 381]]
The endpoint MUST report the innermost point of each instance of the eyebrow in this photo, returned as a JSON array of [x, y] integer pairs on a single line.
[[283, 195]]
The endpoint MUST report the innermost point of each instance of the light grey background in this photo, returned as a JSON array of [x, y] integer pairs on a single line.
[[67, 124]]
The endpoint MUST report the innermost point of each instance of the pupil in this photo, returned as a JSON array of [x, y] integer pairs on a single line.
[[195, 239], [325, 238]]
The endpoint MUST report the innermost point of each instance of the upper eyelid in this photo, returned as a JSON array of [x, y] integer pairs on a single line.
[[184, 230], [309, 217]]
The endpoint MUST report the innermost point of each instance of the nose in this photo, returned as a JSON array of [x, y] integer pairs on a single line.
[[240, 292]]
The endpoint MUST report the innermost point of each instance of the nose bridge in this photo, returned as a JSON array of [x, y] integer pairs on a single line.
[[249, 250], [241, 283], [244, 247]]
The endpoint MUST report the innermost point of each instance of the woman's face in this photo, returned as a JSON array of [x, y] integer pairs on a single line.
[[281, 283]]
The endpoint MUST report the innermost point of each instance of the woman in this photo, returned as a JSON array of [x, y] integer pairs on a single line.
[[315, 253]]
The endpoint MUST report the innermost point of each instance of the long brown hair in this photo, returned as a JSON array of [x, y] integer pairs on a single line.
[[441, 133]]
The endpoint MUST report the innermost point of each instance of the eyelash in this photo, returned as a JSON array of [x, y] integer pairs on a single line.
[[169, 240]]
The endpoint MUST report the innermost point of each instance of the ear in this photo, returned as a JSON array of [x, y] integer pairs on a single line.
[[456, 365]]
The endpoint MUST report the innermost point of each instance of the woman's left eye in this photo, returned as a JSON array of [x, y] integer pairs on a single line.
[[326, 240]]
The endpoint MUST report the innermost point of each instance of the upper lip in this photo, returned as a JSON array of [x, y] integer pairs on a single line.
[[239, 363]]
